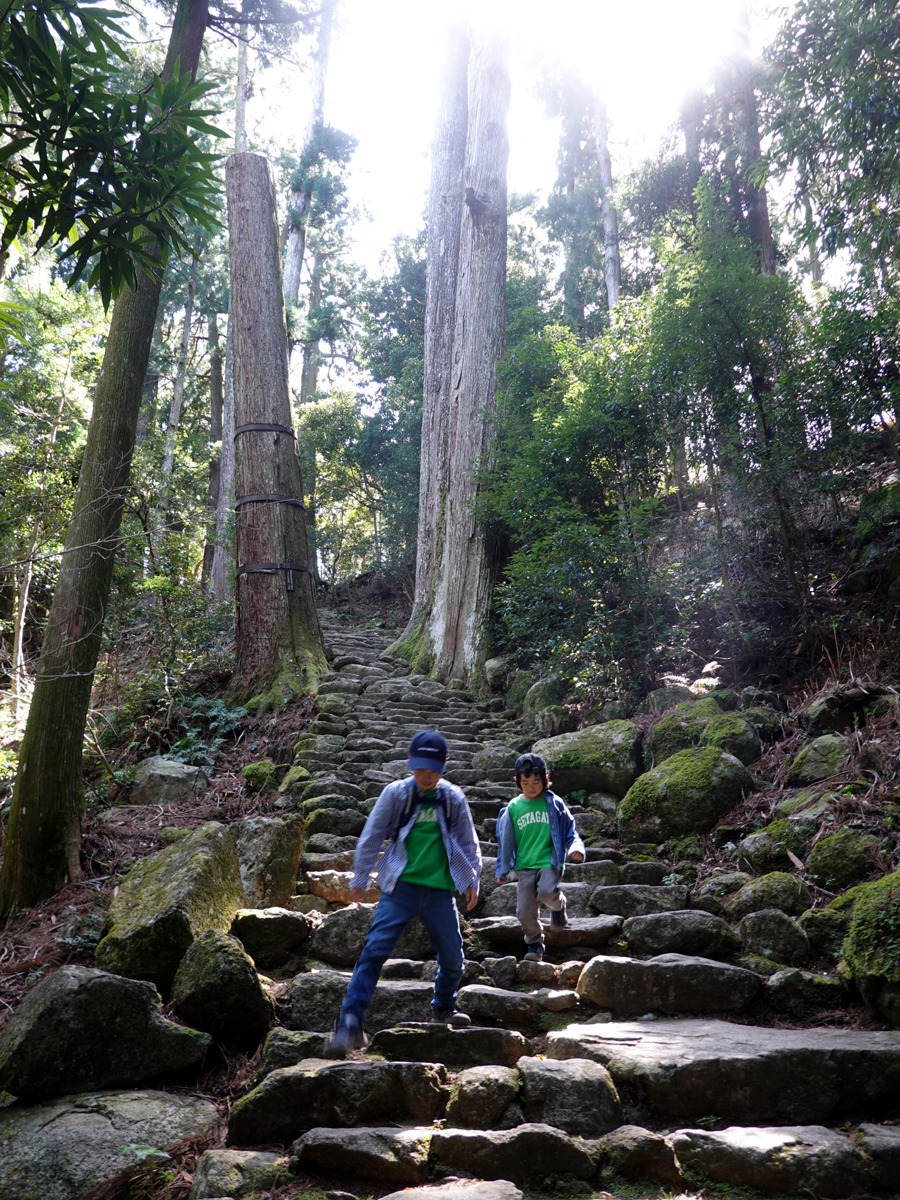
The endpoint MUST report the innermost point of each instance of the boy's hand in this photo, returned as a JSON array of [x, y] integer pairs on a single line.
[[577, 857], [501, 879], [471, 897]]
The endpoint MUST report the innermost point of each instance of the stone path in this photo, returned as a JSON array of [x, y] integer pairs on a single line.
[[641, 1048], [392, 1117]]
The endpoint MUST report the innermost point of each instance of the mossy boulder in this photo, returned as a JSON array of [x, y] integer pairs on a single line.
[[826, 929], [768, 849], [662, 698], [166, 901], [496, 671], [800, 994], [776, 936], [334, 706], [294, 781], [268, 850], [840, 859], [263, 775], [80, 1029], [769, 725], [217, 989], [519, 686], [734, 734], [687, 793], [872, 946], [701, 710], [341, 823], [819, 759], [674, 733], [161, 780], [556, 719], [725, 698], [600, 758], [549, 690], [779, 889]]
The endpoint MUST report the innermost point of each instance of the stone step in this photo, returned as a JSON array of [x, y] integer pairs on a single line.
[[743, 1073], [668, 983], [470, 1047], [580, 931]]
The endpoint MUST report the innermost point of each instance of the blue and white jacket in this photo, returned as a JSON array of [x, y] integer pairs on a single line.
[[563, 836], [392, 818]]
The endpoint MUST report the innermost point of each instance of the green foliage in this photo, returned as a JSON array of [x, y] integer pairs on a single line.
[[205, 724], [115, 172], [872, 945], [835, 123]]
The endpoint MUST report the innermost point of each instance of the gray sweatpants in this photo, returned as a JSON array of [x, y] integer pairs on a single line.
[[533, 889]]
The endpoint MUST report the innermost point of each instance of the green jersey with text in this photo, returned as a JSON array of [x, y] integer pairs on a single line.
[[531, 822], [426, 855]]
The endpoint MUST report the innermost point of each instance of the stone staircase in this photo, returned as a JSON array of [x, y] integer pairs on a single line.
[[640, 1049]]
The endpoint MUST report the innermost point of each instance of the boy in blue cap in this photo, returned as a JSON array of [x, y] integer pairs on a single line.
[[431, 853], [535, 835]]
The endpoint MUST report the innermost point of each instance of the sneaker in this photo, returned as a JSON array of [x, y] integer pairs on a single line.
[[450, 1016], [559, 920], [534, 954], [348, 1035]]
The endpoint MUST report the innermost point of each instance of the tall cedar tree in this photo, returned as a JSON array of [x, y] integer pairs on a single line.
[[43, 839]]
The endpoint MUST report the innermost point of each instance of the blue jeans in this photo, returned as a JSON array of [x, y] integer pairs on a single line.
[[437, 911]]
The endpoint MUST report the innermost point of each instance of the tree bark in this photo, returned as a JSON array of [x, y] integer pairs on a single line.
[[168, 462], [458, 619], [279, 643], [151, 381], [607, 208], [219, 581], [751, 150], [445, 205], [43, 839], [216, 402], [309, 383], [301, 200]]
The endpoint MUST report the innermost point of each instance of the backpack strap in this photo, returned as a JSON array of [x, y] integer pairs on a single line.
[[408, 807]]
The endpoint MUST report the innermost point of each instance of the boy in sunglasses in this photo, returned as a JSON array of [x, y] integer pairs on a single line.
[[535, 835]]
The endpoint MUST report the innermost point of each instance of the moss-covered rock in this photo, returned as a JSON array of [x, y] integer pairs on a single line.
[[674, 733], [820, 759], [768, 849], [687, 793], [268, 850], [545, 692], [519, 686], [826, 929], [496, 671], [295, 781], [840, 859], [238, 1174], [776, 936], [872, 946], [600, 758], [217, 989], [801, 994], [725, 698], [346, 823], [701, 710], [734, 734], [723, 883], [335, 706], [263, 775], [769, 724], [776, 890], [80, 1029], [166, 901], [556, 719], [662, 698]]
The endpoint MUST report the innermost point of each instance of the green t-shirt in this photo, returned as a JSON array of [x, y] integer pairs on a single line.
[[426, 855], [531, 822]]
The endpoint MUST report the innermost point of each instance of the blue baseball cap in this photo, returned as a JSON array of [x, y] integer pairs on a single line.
[[428, 751]]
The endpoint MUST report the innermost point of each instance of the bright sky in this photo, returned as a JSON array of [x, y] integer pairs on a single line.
[[383, 74]]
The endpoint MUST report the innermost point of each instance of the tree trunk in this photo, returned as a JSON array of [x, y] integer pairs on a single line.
[[300, 200], [219, 581], [151, 381], [459, 615], [309, 383], [445, 204], [607, 208], [279, 643], [43, 839], [242, 88], [751, 150], [216, 402], [168, 463]]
